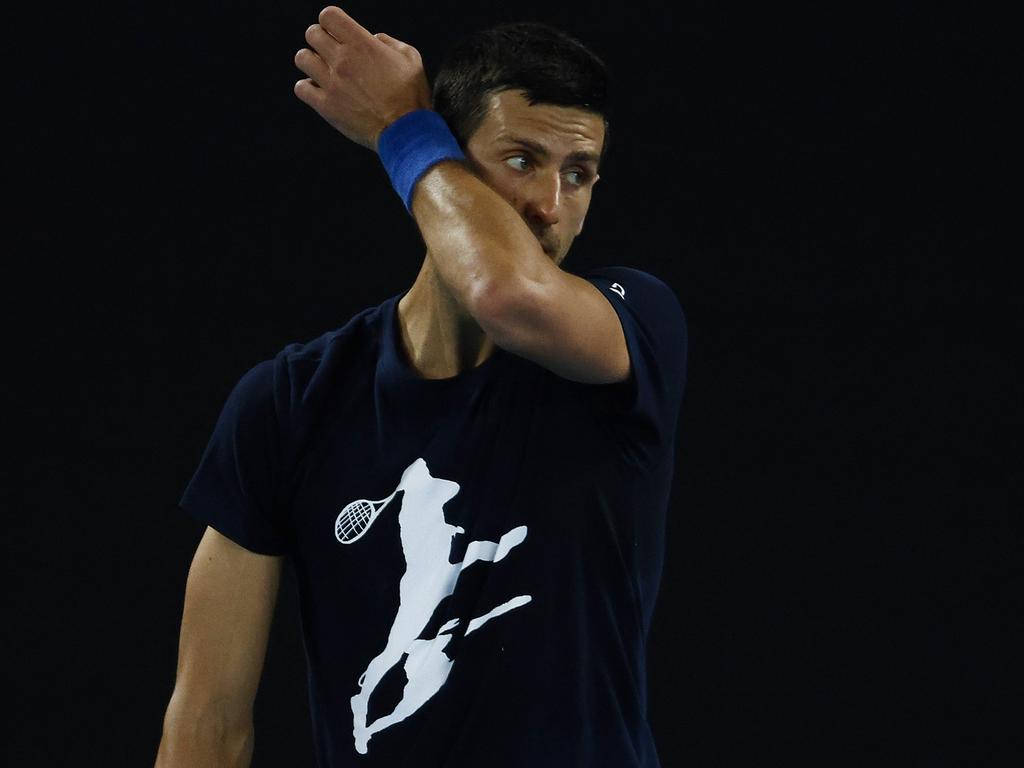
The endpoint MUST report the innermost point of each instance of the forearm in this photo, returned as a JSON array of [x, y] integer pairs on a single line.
[[189, 742], [480, 247]]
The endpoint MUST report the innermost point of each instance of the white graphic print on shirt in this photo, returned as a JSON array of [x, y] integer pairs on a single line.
[[429, 578]]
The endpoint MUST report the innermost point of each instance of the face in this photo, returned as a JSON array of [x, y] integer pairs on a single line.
[[543, 160]]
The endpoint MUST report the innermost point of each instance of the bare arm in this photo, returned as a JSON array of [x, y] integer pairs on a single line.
[[229, 605], [484, 252], [489, 259]]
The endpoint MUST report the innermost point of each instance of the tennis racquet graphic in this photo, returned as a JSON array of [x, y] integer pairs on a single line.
[[357, 517]]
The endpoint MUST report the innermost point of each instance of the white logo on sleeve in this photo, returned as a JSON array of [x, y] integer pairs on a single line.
[[428, 579], [619, 290]]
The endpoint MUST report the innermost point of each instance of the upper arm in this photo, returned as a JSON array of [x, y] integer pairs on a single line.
[[229, 605], [563, 323]]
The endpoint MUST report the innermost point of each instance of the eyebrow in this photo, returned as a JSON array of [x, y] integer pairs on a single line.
[[542, 151]]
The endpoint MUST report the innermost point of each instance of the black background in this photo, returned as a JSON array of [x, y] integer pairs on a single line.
[[816, 183]]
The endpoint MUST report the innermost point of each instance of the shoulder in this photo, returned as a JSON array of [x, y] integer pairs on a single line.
[[291, 377], [303, 376], [625, 278], [653, 322], [300, 365], [646, 295], [303, 354]]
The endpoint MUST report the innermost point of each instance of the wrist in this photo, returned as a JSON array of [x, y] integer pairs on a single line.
[[411, 145]]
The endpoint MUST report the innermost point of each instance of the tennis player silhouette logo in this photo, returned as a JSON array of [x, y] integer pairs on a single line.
[[429, 578]]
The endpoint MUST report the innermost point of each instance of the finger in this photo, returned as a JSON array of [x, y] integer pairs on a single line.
[[308, 92], [321, 42], [343, 27], [310, 63], [396, 44]]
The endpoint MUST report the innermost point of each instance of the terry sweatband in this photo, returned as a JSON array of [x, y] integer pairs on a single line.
[[411, 145]]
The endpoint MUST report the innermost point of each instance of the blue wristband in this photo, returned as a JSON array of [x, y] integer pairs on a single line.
[[411, 145]]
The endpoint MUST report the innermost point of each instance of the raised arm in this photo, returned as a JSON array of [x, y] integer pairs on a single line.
[[484, 251], [230, 596]]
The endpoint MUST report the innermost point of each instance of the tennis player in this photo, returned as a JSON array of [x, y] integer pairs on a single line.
[[471, 477]]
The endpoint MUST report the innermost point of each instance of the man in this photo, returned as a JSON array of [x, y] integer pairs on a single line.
[[471, 478]]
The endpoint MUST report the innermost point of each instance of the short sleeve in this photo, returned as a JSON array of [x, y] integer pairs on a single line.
[[235, 487], [655, 329]]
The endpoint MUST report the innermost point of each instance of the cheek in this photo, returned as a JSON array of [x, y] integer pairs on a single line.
[[578, 217], [507, 187]]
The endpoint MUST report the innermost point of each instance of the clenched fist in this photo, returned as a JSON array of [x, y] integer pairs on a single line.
[[358, 82]]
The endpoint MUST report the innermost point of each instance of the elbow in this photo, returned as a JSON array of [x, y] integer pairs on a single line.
[[495, 304], [194, 736]]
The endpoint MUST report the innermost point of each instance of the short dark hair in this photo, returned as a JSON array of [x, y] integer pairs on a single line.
[[551, 66]]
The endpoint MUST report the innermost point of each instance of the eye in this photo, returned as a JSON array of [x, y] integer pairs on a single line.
[[518, 157], [583, 176]]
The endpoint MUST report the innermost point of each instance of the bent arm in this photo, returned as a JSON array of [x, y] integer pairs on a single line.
[[489, 259], [482, 249], [229, 606]]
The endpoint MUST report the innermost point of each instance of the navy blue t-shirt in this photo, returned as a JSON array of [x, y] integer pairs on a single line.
[[477, 558]]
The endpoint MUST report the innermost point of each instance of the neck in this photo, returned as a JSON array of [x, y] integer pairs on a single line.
[[440, 338]]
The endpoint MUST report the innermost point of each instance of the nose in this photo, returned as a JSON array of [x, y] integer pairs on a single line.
[[544, 198]]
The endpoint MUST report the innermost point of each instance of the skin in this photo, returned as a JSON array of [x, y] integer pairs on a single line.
[[230, 598], [552, 195], [496, 226]]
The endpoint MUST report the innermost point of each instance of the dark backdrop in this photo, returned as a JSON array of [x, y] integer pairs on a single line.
[[838, 577]]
